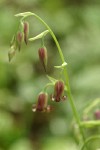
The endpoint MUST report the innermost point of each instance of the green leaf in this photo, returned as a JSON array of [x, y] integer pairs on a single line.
[[39, 35]]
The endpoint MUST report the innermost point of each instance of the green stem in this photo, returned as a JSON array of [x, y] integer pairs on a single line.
[[96, 102], [90, 124], [48, 85], [75, 113], [90, 139]]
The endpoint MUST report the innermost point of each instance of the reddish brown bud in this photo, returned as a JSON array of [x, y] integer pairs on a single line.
[[42, 103], [58, 91], [26, 31], [97, 114], [43, 56], [20, 38]]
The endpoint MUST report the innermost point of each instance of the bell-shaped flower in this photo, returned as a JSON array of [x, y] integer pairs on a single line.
[[97, 114], [58, 91], [42, 103], [26, 31], [42, 52], [20, 38]]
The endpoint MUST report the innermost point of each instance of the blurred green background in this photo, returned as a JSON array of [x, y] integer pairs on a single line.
[[76, 24]]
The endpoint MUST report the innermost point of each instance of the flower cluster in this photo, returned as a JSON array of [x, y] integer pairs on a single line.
[[42, 103]]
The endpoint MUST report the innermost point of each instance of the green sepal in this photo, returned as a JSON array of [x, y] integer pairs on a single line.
[[39, 36], [53, 80], [61, 66], [13, 43]]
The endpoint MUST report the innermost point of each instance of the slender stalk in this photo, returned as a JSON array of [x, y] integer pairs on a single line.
[[75, 113]]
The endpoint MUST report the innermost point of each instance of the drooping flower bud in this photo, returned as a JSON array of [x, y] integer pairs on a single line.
[[11, 54], [20, 38], [97, 114], [43, 56], [26, 31], [42, 103], [58, 91]]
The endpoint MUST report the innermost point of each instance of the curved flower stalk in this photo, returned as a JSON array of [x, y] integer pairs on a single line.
[[57, 96], [59, 85], [75, 113]]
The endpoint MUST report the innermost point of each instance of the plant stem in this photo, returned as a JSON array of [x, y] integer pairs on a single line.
[[90, 124], [75, 113]]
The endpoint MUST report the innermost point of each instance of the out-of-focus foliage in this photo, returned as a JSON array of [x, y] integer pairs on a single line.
[[76, 24]]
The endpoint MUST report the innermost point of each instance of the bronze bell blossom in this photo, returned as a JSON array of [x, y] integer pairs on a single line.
[[42, 105], [58, 91]]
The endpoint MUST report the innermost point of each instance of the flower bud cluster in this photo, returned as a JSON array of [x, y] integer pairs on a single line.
[[21, 36]]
